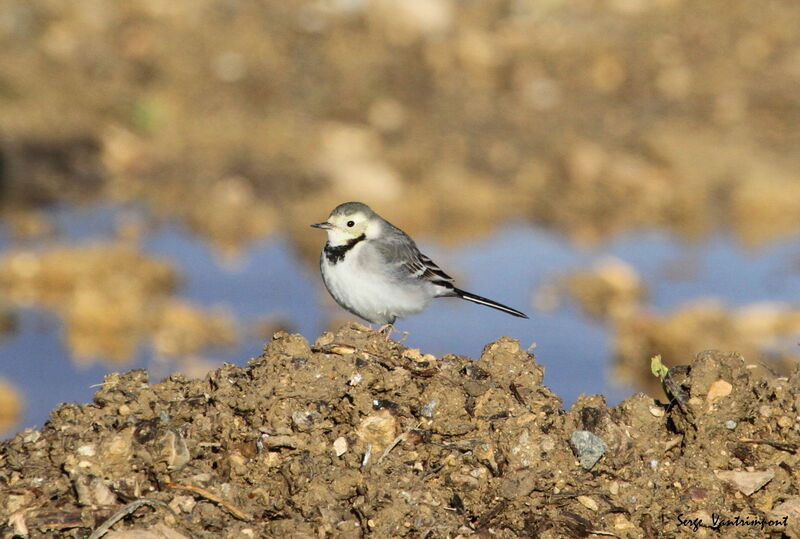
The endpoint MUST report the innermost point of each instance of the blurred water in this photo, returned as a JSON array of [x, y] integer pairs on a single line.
[[508, 266]]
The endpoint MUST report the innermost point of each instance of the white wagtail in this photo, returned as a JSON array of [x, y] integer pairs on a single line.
[[375, 271]]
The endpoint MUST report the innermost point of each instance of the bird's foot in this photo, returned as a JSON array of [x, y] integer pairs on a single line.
[[386, 330]]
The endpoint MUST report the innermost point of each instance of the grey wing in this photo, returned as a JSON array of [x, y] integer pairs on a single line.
[[401, 254]]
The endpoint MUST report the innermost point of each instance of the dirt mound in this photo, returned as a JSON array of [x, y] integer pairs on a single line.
[[355, 436]]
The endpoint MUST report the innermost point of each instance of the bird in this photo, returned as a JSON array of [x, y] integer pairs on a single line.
[[376, 271]]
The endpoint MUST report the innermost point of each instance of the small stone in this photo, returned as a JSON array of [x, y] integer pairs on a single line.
[[765, 411], [464, 481], [785, 422], [622, 523], [672, 442], [588, 503], [588, 447], [746, 482], [427, 410], [100, 492], [378, 430], [340, 446], [88, 450], [547, 444], [657, 411], [731, 424], [302, 420], [697, 494], [412, 353], [32, 436], [238, 462], [718, 390], [183, 504], [280, 440], [613, 488]]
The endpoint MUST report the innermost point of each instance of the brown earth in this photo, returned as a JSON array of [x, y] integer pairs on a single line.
[[354, 436]]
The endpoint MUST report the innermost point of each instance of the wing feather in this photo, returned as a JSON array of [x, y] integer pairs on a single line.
[[400, 252]]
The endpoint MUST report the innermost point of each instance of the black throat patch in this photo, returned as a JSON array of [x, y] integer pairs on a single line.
[[336, 254]]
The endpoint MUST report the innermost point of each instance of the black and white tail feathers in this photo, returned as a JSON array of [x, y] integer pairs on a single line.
[[420, 266], [463, 294], [426, 269]]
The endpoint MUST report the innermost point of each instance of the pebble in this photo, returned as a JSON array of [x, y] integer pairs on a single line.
[[622, 523], [88, 450], [31, 436], [340, 446], [746, 482], [427, 410], [547, 444], [301, 419], [588, 448], [657, 411], [718, 390], [588, 503]]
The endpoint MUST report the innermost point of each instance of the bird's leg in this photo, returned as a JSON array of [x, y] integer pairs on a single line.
[[386, 330]]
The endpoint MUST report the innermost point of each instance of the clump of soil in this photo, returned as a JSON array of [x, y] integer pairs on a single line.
[[356, 436]]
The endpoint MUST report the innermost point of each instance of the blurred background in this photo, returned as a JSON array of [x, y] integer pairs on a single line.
[[626, 171]]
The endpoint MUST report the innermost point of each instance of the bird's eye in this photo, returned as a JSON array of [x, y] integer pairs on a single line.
[[350, 223]]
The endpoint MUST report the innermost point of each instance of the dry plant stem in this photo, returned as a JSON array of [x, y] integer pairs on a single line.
[[396, 441]]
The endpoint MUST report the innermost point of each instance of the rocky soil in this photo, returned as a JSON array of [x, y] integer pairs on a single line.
[[246, 121], [354, 436]]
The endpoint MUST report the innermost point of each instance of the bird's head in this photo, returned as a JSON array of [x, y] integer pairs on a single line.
[[348, 221]]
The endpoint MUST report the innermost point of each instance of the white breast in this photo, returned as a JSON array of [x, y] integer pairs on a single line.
[[369, 291]]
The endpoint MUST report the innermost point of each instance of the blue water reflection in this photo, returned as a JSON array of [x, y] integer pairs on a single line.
[[508, 267]]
